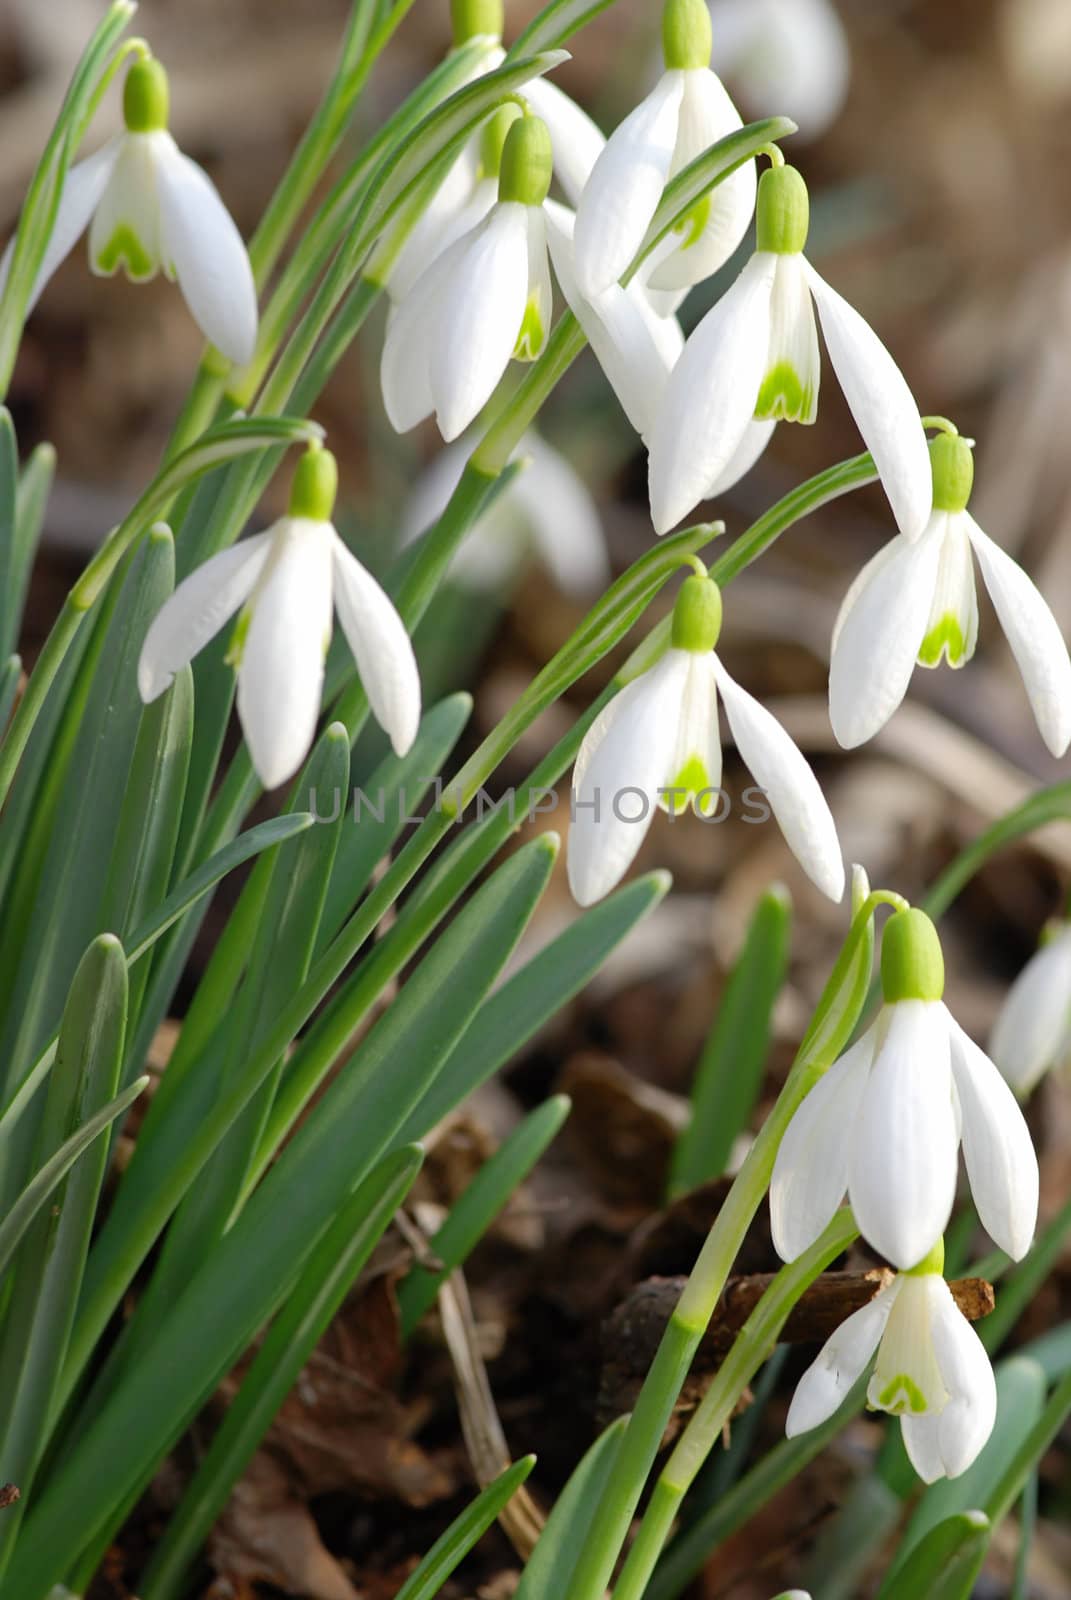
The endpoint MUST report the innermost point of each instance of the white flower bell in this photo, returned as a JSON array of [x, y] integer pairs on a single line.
[[687, 112], [656, 745], [885, 1122], [916, 603], [147, 207], [284, 582], [786, 57], [932, 1371], [1032, 1034], [754, 360], [485, 299]]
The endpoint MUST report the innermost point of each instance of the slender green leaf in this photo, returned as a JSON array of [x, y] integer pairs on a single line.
[[1010, 1486], [1051, 1351], [10, 678], [945, 1564], [474, 1211], [550, 1566], [448, 1552], [9, 486], [729, 1077], [1048, 805]]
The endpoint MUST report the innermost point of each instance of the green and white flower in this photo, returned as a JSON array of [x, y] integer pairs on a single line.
[[285, 583], [149, 208], [916, 604], [1032, 1034], [932, 1371]]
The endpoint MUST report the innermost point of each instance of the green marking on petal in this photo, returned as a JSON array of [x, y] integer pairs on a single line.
[[946, 638], [690, 781], [784, 398], [236, 648], [124, 248], [533, 334], [693, 224], [902, 1394]]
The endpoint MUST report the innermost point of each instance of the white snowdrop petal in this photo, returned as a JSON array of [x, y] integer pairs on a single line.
[[753, 441], [695, 762], [902, 1178], [966, 1422], [86, 181], [201, 242], [810, 1174], [1031, 1030], [921, 1437], [459, 204], [197, 610], [793, 791], [627, 747], [576, 141], [952, 626], [882, 405], [878, 632], [789, 57], [625, 186], [710, 396], [997, 1148], [381, 648], [125, 229], [280, 676], [563, 518], [715, 229], [1034, 635], [404, 369], [479, 316], [841, 1361], [793, 366], [539, 308]]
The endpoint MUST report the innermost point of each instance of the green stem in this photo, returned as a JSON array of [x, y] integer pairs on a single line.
[[750, 1349]]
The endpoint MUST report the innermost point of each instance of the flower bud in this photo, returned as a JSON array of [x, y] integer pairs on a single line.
[[146, 99], [314, 486], [493, 138], [912, 965], [952, 461], [527, 163], [475, 19], [697, 616], [784, 211], [686, 35]]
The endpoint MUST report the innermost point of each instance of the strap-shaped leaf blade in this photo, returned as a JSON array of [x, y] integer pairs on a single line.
[[449, 1551]]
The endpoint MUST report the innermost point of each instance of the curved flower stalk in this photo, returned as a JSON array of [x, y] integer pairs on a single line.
[[685, 113], [885, 1123], [546, 511], [916, 603], [284, 582], [657, 743], [148, 207], [787, 56], [754, 360], [932, 1371], [1032, 1034], [485, 299]]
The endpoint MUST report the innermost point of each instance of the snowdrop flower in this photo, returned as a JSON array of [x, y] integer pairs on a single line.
[[1032, 1034], [786, 56], [932, 1371], [147, 207], [283, 582], [656, 745], [916, 603], [686, 113], [885, 1123], [754, 359], [485, 299], [546, 510]]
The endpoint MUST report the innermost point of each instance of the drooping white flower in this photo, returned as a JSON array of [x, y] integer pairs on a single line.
[[885, 1122], [754, 359], [687, 112], [485, 299], [916, 603], [932, 1372], [546, 510], [1032, 1034], [285, 582], [786, 57], [656, 745], [148, 207]]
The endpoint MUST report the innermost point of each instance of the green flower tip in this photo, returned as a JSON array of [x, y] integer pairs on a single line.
[[493, 138], [697, 616], [912, 966], [952, 461], [527, 163], [934, 1261], [784, 211], [312, 493], [474, 19], [146, 98], [686, 35]]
